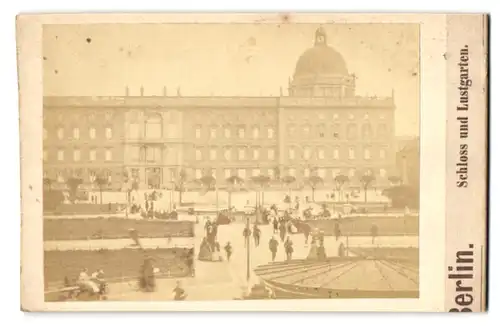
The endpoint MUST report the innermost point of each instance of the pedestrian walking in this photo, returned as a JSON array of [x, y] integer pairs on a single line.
[[273, 247], [229, 250], [256, 235], [288, 248], [246, 235]]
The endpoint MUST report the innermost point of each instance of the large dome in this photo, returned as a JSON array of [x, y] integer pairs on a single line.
[[320, 59]]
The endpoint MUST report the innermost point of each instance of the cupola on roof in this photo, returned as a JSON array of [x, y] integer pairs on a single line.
[[321, 59]]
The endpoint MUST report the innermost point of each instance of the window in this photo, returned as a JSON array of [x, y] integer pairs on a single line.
[[60, 117], [241, 154], [321, 153], [351, 116], [45, 133], [108, 115], [382, 117], [108, 156], [307, 172], [382, 131], [321, 173], [307, 153], [60, 133], [213, 133], [198, 173], [241, 132], [335, 153], [256, 153], [351, 131], [242, 173], [109, 133], [335, 131], [133, 129], [335, 173], [198, 132], [270, 154], [227, 132], [198, 155], [255, 172], [366, 116], [382, 154], [76, 133], [92, 133], [227, 173], [152, 126], [227, 154], [255, 132], [76, 155], [291, 130], [91, 117], [366, 131], [270, 133], [45, 155], [306, 129], [352, 154], [93, 155], [270, 173], [321, 116], [367, 154], [213, 154], [291, 153], [383, 173], [352, 173], [335, 116], [291, 172]]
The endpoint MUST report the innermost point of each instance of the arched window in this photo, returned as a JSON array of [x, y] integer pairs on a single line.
[[152, 126], [321, 131], [352, 131], [382, 131], [366, 131]]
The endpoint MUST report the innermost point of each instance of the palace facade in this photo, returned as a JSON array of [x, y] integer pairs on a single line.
[[320, 128]]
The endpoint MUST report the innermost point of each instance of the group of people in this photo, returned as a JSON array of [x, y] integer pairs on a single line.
[[93, 284]]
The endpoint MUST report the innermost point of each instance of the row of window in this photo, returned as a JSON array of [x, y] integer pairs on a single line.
[[307, 172], [321, 153], [87, 175], [293, 153], [75, 133], [90, 116], [242, 154], [336, 131], [227, 132], [76, 155], [335, 116]]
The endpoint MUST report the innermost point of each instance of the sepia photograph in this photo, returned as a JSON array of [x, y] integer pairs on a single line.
[[205, 162]]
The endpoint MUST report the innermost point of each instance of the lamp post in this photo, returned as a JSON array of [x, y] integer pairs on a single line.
[[248, 249]]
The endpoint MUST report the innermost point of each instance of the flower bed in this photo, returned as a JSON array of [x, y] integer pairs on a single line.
[[116, 264], [113, 228]]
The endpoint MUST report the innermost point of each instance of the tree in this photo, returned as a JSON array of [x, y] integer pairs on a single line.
[[101, 182], [180, 183], [340, 181], [288, 180], [73, 184], [394, 180], [366, 181], [314, 181], [277, 173], [403, 196], [47, 182], [208, 182]]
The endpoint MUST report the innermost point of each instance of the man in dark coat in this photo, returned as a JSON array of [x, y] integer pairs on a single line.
[[273, 247]]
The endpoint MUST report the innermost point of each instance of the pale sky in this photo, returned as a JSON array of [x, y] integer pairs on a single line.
[[212, 59]]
